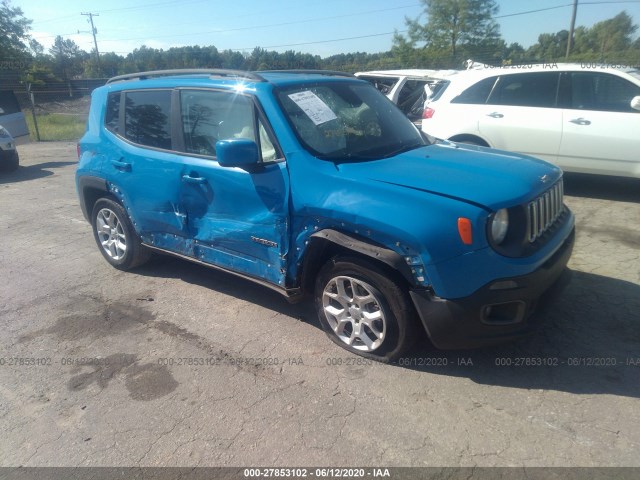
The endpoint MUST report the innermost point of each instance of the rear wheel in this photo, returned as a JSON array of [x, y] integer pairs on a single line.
[[116, 237], [363, 310]]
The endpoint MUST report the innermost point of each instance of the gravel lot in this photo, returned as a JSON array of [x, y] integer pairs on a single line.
[[105, 368]]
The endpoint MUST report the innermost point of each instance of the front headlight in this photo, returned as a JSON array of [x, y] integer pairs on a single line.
[[4, 133], [499, 226]]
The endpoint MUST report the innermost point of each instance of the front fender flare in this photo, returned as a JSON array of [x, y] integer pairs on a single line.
[[345, 241]]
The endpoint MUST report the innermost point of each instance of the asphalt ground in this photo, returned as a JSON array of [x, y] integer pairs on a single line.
[[179, 365]]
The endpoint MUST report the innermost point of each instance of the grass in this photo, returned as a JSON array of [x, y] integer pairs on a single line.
[[56, 126]]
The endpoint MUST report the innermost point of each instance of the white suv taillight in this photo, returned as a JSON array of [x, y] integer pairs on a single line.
[[428, 113]]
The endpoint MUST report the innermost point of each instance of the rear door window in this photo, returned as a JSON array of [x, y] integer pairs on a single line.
[[526, 90], [147, 119]]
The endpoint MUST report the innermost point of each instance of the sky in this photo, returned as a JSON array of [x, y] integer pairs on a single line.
[[324, 28]]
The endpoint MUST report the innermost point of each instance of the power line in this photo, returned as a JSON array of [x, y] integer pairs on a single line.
[[325, 41], [328, 18], [563, 6], [281, 24]]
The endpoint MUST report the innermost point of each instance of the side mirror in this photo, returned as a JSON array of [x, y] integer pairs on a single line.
[[237, 152], [635, 103]]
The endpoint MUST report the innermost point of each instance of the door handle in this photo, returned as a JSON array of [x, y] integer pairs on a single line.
[[194, 180], [580, 121], [120, 165], [495, 115]]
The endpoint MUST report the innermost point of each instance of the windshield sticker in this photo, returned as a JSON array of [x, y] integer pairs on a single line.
[[313, 106]]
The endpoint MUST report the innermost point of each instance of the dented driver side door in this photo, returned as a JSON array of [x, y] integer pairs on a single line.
[[237, 218]]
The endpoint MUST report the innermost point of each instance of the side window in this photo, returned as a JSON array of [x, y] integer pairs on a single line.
[[478, 93], [8, 103], [210, 116], [602, 91], [112, 117], [147, 118], [526, 90]]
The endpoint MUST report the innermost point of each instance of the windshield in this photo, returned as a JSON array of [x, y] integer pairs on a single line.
[[348, 121]]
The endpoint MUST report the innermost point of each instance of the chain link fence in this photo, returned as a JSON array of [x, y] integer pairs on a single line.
[[56, 110]]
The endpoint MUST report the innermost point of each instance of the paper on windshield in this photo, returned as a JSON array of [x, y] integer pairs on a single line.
[[313, 106]]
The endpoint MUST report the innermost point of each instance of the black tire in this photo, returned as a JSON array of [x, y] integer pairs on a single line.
[[390, 298], [12, 164], [117, 232]]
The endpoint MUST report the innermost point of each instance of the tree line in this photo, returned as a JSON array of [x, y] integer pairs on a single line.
[[455, 30]]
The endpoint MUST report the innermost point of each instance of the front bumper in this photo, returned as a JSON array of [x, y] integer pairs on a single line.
[[8, 156], [501, 311]]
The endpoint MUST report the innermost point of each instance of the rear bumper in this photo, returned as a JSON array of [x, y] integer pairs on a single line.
[[501, 311]]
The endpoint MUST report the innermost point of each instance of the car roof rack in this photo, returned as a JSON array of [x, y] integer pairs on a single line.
[[312, 72], [213, 72]]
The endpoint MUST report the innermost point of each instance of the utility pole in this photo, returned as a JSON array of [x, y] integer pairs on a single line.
[[571, 28], [94, 31]]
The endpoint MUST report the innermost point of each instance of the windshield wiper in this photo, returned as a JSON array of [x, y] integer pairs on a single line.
[[404, 148]]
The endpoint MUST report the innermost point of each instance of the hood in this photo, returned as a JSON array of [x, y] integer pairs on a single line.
[[482, 176]]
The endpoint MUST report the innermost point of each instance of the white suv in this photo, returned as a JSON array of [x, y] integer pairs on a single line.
[[582, 117]]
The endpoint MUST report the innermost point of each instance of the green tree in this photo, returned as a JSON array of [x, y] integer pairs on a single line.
[[610, 40], [111, 64], [38, 75], [404, 50], [14, 33], [550, 46], [67, 58], [457, 28], [615, 34]]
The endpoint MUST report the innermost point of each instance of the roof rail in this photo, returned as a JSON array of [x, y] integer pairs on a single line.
[[202, 71], [314, 72]]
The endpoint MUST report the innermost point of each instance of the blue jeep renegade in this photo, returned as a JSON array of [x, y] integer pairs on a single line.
[[313, 182]]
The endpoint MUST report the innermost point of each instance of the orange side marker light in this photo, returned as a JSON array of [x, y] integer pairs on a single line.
[[464, 229]]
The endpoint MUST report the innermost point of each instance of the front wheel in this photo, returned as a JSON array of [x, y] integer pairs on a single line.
[[364, 310], [116, 237]]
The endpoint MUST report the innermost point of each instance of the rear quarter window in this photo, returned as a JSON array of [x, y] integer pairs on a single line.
[[147, 118], [477, 93], [112, 116]]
